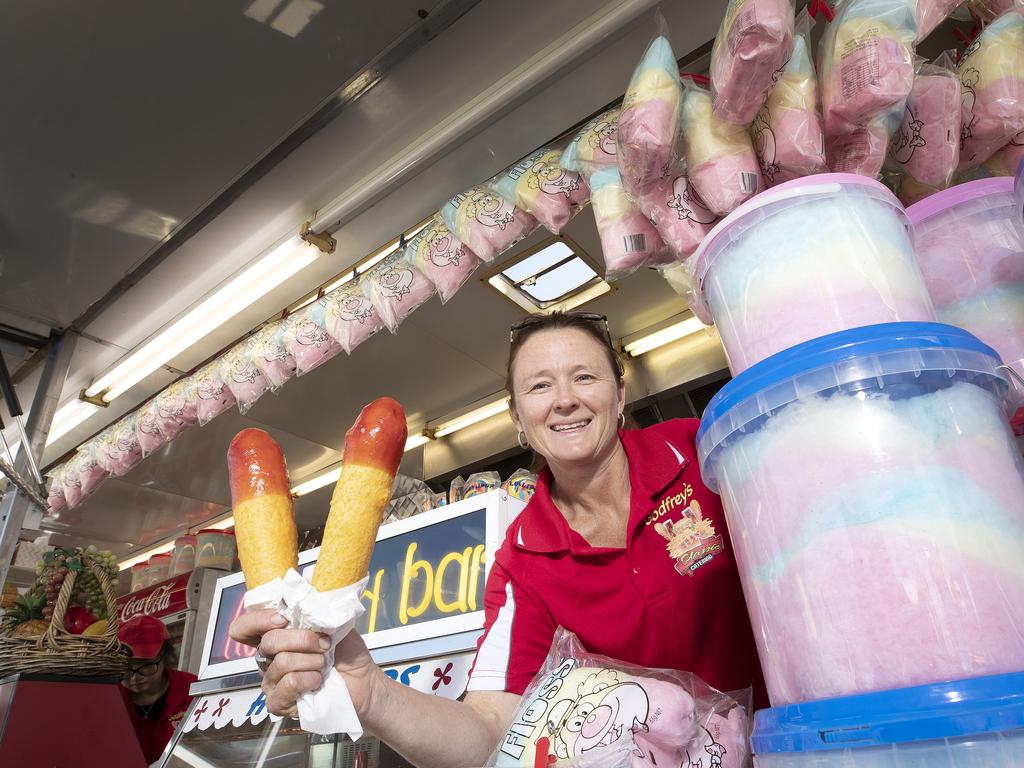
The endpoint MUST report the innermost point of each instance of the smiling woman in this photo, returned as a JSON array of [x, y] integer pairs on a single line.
[[621, 544]]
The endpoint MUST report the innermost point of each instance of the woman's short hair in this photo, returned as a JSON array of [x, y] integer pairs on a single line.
[[594, 326]]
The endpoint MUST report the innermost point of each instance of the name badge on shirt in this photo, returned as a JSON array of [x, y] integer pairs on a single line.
[[692, 540]]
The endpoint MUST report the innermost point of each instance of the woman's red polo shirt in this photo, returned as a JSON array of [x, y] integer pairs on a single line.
[[671, 598]]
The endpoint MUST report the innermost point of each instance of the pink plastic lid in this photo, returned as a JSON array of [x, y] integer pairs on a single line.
[[140, 566], [188, 538], [214, 530], [161, 556], [790, 190], [961, 193]]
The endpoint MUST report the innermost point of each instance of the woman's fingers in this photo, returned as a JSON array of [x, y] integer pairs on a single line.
[[281, 697], [253, 625]]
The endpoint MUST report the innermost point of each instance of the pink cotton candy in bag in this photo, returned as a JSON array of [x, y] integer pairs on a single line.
[[486, 222], [677, 212], [595, 146], [931, 13], [148, 430], [122, 451], [175, 409], [860, 151], [396, 289], [306, 338], [71, 486], [719, 157], [540, 186], [442, 258], [213, 396], [992, 81], [1006, 161], [786, 132], [55, 495], [270, 355], [243, 378], [351, 317], [585, 709], [866, 63], [628, 238], [753, 42], [648, 124], [90, 473]]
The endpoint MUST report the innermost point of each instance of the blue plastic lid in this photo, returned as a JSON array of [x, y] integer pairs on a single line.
[[865, 354], [946, 710]]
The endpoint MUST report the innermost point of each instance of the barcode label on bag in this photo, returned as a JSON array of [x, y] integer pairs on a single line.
[[748, 183], [634, 243]]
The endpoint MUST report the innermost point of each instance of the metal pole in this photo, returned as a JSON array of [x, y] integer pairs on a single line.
[[15, 505]]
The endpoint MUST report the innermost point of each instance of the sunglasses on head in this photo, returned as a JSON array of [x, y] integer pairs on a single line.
[[590, 317]]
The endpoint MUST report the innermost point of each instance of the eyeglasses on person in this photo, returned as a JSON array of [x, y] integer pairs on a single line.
[[142, 670]]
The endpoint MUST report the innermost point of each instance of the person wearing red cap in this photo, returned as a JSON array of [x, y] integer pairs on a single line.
[[155, 693]]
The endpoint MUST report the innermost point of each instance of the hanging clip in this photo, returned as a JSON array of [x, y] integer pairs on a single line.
[[820, 6], [321, 240]]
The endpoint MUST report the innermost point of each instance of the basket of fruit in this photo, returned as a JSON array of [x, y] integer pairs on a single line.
[[66, 624]]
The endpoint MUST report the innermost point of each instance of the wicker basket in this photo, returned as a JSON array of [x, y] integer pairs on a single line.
[[57, 651]]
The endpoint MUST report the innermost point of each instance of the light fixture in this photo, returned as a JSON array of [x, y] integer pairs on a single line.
[[254, 282], [67, 417], [645, 342], [145, 555], [332, 475], [220, 525], [472, 417]]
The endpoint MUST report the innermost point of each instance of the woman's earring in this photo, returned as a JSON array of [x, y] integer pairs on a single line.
[[622, 420], [523, 442]]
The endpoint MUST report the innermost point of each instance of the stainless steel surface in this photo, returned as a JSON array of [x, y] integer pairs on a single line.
[[230, 683], [201, 600], [14, 506]]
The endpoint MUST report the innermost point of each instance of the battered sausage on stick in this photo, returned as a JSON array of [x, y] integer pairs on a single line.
[[262, 505], [373, 450]]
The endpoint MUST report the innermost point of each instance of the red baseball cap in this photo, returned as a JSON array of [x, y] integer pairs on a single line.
[[145, 635]]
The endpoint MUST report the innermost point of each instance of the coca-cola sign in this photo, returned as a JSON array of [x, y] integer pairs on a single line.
[[160, 600]]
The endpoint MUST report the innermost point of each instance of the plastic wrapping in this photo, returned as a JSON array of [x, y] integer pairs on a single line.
[[396, 289], [243, 378], [85, 465], [544, 189], [987, 10], [649, 119], [270, 355], [786, 131], [71, 486], [118, 447], [677, 211], [861, 150], [455, 489], [926, 147], [1007, 160], [148, 430], [521, 484], [55, 494], [753, 42], [442, 258], [213, 396], [931, 13], [584, 709], [486, 222], [595, 146], [992, 78], [719, 157], [175, 409], [805, 259], [628, 238], [306, 338], [481, 482], [350, 316], [867, 65]]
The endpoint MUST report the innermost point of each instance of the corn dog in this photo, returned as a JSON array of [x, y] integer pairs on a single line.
[[262, 505], [373, 450]]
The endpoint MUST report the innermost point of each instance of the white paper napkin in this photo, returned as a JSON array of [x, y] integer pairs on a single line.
[[328, 709]]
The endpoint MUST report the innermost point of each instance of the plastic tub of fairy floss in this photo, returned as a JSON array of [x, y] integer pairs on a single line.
[[970, 246], [215, 549], [875, 499], [805, 259], [183, 559], [159, 568], [139, 575], [977, 723]]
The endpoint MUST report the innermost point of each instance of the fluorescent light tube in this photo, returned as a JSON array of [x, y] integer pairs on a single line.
[[244, 289], [145, 555], [67, 417], [474, 416], [662, 337], [332, 475]]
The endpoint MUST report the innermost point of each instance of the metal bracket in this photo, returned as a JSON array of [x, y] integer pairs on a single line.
[[430, 433], [24, 486], [96, 399], [321, 240]]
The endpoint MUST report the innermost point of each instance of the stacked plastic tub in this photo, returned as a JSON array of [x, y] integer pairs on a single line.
[[873, 488]]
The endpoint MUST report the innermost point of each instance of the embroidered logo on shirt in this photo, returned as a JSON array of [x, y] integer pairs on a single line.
[[692, 541]]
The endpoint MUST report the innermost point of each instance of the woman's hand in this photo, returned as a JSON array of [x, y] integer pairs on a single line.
[[297, 661]]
